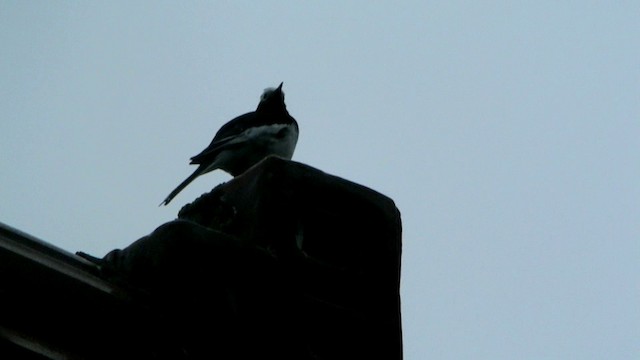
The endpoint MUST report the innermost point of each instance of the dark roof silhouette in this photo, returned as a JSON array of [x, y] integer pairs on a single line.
[[284, 261]]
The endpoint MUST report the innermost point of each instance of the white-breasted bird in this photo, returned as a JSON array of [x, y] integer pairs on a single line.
[[247, 139]]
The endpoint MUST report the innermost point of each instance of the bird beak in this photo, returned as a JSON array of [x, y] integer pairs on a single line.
[[279, 88]]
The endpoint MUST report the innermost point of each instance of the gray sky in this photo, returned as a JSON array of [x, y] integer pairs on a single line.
[[508, 135]]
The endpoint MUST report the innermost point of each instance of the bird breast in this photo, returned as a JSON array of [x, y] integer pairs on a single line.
[[254, 144], [274, 139]]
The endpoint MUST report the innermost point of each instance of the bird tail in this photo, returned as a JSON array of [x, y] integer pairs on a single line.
[[182, 185]]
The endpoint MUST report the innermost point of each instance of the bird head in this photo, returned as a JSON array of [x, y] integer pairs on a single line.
[[272, 98]]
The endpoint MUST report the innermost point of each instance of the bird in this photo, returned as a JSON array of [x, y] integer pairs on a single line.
[[247, 139]]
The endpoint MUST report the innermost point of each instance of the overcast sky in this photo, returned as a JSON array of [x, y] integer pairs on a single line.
[[508, 136]]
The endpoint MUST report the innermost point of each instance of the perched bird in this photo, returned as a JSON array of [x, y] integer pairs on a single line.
[[247, 139]]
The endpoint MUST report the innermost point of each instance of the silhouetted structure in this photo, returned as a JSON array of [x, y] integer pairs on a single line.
[[282, 262]]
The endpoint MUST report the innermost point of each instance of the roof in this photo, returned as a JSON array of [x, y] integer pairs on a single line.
[[54, 305]]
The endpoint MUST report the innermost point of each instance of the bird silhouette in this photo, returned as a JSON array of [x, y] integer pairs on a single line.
[[247, 139]]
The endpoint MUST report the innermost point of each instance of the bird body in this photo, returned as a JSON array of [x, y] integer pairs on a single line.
[[247, 139]]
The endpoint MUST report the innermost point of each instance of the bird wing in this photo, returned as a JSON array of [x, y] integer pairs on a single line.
[[208, 154], [227, 137]]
